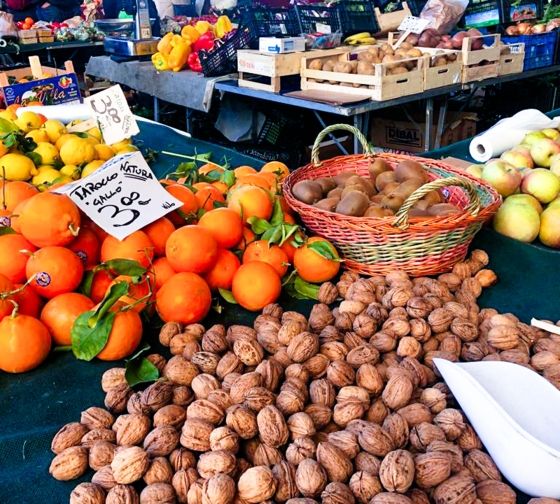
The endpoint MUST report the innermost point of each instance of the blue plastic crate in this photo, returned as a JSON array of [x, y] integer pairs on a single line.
[[539, 49]]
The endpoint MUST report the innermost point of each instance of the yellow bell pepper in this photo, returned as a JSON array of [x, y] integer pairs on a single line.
[[189, 32], [164, 45], [160, 61], [179, 55], [202, 27], [223, 25], [177, 40]]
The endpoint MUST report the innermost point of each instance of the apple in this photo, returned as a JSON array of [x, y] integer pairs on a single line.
[[551, 133], [550, 227], [524, 199], [502, 176], [542, 184], [554, 203], [543, 150], [520, 222], [555, 164], [531, 138], [518, 158], [475, 170]]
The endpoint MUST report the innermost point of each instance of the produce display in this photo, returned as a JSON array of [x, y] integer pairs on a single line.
[[71, 29], [343, 406], [527, 28], [528, 178], [432, 38]]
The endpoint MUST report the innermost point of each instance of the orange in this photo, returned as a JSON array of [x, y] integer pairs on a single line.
[[288, 219], [13, 107], [102, 279], [221, 275], [285, 207], [159, 231], [86, 247], [100, 233], [184, 298], [14, 253], [124, 337], [207, 168], [49, 219], [244, 170], [60, 313], [29, 302], [15, 219], [162, 271], [221, 186], [12, 193], [29, 20], [138, 293], [251, 201], [136, 247], [25, 342], [207, 195], [6, 306], [290, 249], [192, 249], [225, 225], [313, 267], [255, 179], [279, 169], [187, 197], [248, 237], [255, 285], [53, 271], [260, 250]]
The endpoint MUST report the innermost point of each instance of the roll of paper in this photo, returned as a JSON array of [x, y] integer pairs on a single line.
[[65, 113], [508, 133]]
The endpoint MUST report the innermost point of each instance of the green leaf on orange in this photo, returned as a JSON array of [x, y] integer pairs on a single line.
[[227, 295], [324, 249], [89, 339]]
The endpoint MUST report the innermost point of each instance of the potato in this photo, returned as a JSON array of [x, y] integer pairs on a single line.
[[439, 61], [326, 183], [406, 45], [390, 187], [366, 56], [354, 203], [414, 53], [407, 187], [343, 67], [328, 66], [365, 68], [354, 65], [373, 51], [398, 70], [316, 64], [387, 49], [328, 204], [433, 197], [352, 188], [307, 191]]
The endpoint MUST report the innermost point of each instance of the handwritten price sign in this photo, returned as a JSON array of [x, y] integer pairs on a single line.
[[122, 196], [110, 109], [413, 24]]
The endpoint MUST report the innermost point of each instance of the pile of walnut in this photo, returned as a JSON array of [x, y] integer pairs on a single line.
[[344, 407]]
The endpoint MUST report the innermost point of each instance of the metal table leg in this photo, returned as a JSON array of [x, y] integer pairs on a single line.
[[188, 120], [429, 124], [331, 136], [156, 109], [440, 123]]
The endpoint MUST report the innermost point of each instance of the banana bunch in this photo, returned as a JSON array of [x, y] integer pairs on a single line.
[[363, 38]]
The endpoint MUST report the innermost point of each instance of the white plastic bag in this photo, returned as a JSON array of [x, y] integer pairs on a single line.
[[7, 25], [443, 14]]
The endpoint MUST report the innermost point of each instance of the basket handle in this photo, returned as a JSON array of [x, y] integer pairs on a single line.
[[329, 129], [401, 217]]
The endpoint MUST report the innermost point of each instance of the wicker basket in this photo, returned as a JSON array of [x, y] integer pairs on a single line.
[[419, 246]]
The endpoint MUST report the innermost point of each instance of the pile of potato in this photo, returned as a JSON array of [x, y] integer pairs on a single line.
[[381, 194]]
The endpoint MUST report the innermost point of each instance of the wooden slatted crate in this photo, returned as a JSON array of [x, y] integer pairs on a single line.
[[512, 59]]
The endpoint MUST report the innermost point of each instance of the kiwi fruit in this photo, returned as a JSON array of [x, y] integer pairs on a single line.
[[341, 178], [351, 188], [390, 187], [407, 187], [421, 205], [384, 178], [376, 199], [326, 183], [366, 184], [355, 203], [328, 204], [409, 169], [433, 198], [335, 193], [443, 209], [392, 201], [307, 191], [377, 211], [378, 166], [417, 212]]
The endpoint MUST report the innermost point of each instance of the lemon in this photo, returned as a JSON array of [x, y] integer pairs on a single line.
[[54, 129], [91, 167], [16, 166], [28, 121], [127, 148], [103, 152], [120, 145], [10, 115], [71, 171], [44, 167], [45, 176], [96, 133], [77, 151], [37, 136], [91, 139], [48, 152], [63, 139]]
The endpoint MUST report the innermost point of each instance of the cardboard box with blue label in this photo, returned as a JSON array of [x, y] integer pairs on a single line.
[[49, 86]]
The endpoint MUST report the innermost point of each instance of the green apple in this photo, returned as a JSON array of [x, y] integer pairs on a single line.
[[524, 199], [519, 158], [520, 222], [551, 133], [550, 227], [554, 203], [475, 170], [502, 176], [532, 137], [555, 164], [542, 151], [542, 184]]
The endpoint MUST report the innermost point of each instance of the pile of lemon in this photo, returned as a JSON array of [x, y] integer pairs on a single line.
[[64, 156]]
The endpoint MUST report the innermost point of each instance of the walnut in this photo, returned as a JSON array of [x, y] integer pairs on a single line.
[[98, 435], [161, 441], [219, 489], [434, 300], [396, 297], [335, 462], [311, 478], [396, 472], [273, 429], [351, 393], [158, 493], [267, 336], [112, 378], [157, 395], [203, 384], [481, 466], [181, 341], [274, 310], [299, 450], [214, 462], [207, 362], [206, 410], [101, 454], [344, 321], [409, 347], [229, 363], [450, 344], [328, 293], [396, 327], [397, 428], [452, 450], [122, 494], [87, 493], [334, 350], [451, 280], [69, 464], [195, 434], [425, 433], [69, 435], [465, 329], [397, 392], [418, 307], [129, 465], [544, 359], [368, 377], [265, 455], [364, 325], [97, 418], [364, 486], [317, 365], [194, 493], [353, 307], [235, 332], [415, 414], [375, 440], [543, 500], [471, 287], [362, 354], [242, 421], [440, 320], [337, 493], [257, 398], [285, 477], [432, 469], [214, 339], [433, 399], [249, 351], [243, 384], [182, 395], [346, 411], [418, 496], [468, 440], [495, 492], [167, 332], [170, 415], [303, 346], [131, 429], [116, 399], [377, 412], [181, 458], [270, 371], [292, 315], [367, 462], [182, 481], [340, 373], [320, 317], [452, 423], [456, 490], [390, 498], [104, 478], [503, 337], [383, 342], [256, 484], [300, 425], [160, 471]]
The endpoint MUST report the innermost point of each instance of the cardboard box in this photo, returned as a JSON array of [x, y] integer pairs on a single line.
[[407, 136], [277, 45]]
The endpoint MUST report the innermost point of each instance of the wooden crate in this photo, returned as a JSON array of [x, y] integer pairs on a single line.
[[45, 36], [490, 54], [380, 86], [27, 36], [511, 61], [392, 20], [445, 75]]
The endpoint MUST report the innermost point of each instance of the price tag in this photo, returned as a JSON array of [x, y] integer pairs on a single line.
[[323, 28], [122, 196], [414, 24], [113, 114]]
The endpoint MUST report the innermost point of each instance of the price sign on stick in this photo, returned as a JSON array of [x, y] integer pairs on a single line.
[[411, 24], [122, 196], [110, 109]]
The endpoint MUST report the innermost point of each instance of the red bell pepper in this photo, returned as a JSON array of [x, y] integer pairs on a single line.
[[194, 62], [205, 42]]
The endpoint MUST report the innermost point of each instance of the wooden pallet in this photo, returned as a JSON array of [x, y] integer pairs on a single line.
[[391, 20], [512, 61]]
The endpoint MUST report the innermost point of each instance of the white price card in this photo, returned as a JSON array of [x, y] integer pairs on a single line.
[[110, 109], [323, 28], [122, 196], [414, 24]]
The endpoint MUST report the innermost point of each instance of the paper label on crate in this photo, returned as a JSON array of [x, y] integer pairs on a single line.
[[122, 196], [516, 48], [113, 114], [414, 24], [323, 28]]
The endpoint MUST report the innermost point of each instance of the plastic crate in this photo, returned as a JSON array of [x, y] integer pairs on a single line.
[[358, 16], [223, 59], [271, 22], [540, 50], [319, 18], [416, 6]]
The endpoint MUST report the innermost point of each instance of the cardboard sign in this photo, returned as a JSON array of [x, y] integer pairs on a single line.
[[323, 28], [413, 24], [50, 91], [113, 114], [122, 196]]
